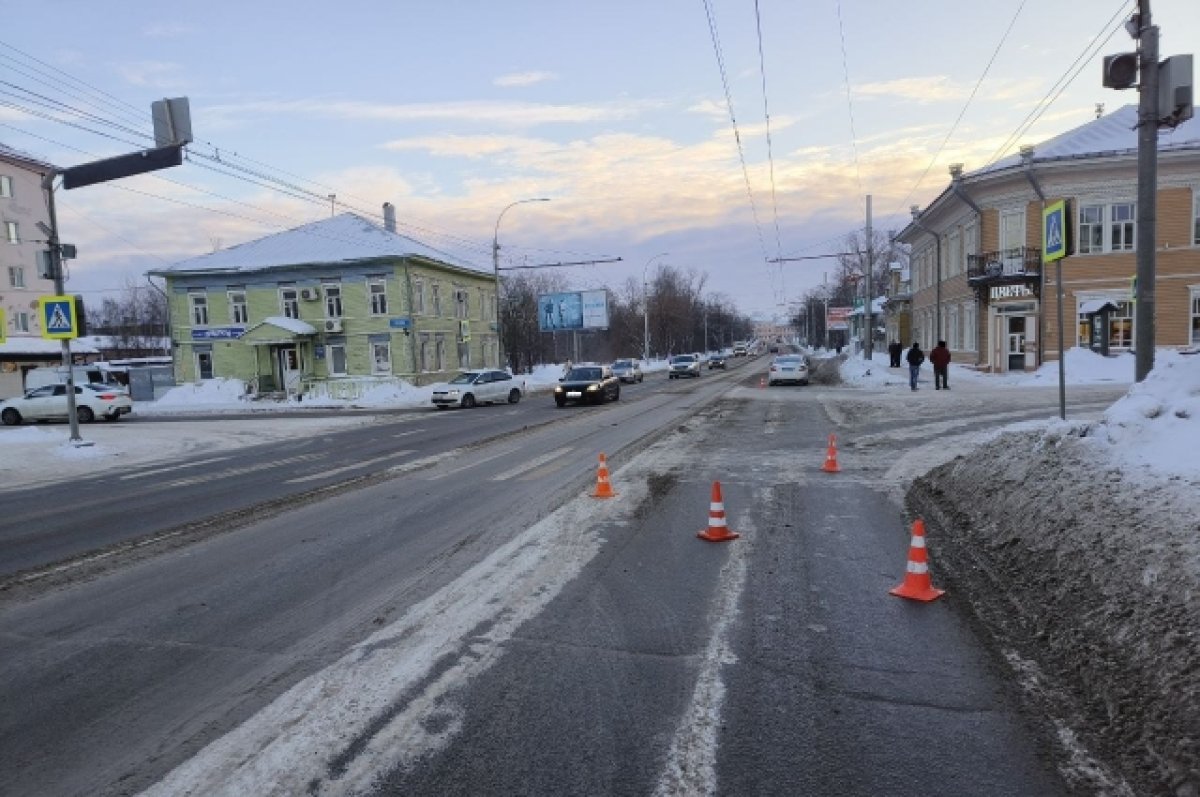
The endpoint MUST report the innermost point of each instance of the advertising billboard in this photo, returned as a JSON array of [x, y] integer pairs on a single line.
[[837, 318], [573, 311]]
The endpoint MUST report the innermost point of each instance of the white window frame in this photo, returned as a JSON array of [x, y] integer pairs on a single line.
[[16, 276], [952, 327], [955, 257], [377, 299], [333, 299], [289, 301], [435, 291], [1114, 223], [1093, 226], [1195, 217], [418, 303], [462, 304], [6, 186], [970, 326], [21, 322], [334, 351], [1122, 233], [238, 312], [1194, 315], [198, 309], [439, 351], [425, 342], [381, 358], [12, 232]]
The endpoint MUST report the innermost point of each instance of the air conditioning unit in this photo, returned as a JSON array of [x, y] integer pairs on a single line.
[[310, 294], [333, 325]]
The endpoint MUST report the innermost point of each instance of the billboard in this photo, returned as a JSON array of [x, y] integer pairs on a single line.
[[573, 311], [837, 318]]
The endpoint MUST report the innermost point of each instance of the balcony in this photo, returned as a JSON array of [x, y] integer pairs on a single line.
[[1005, 267]]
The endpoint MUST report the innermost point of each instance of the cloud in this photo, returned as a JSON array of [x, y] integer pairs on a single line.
[[524, 79], [154, 74], [165, 30], [923, 90]]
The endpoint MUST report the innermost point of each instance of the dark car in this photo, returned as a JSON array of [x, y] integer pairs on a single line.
[[588, 384], [716, 361]]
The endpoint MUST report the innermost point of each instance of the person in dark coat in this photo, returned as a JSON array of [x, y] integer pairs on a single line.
[[939, 357], [915, 357], [894, 351]]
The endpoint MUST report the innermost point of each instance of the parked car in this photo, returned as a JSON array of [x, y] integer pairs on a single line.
[[716, 361], [588, 384], [683, 365], [471, 388], [788, 368], [49, 403], [627, 370]]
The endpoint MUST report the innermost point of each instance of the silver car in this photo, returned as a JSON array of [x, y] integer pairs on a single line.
[[788, 368], [49, 403], [627, 370], [472, 388], [683, 365]]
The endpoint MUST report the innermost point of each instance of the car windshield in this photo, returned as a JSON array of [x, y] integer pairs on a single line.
[[464, 379], [789, 360], [683, 359], [623, 364], [583, 374]]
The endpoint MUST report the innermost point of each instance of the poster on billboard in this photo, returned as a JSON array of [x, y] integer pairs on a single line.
[[573, 311], [837, 318]]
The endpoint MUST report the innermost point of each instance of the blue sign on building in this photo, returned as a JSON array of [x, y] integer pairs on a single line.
[[218, 333], [400, 323]]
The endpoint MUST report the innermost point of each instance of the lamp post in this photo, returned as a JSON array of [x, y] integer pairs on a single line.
[[496, 272], [646, 309]]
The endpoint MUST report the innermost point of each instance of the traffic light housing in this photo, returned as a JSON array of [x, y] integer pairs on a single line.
[[1120, 70]]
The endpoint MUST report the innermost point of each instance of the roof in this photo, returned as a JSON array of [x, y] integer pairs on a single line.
[[345, 238], [1112, 134], [293, 325], [16, 154], [41, 346]]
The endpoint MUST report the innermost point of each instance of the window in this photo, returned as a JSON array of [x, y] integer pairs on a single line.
[[21, 322], [418, 298], [1091, 229], [485, 307], [377, 295], [1120, 323], [333, 299], [337, 359], [289, 302], [1196, 218], [425, 351], [1118, 220], [237, 307], [5, 186], [1123, 218], [437, 300], [16, 276], [199, 305], [954, 258], [439, 352], [381, 358], [971, 238], [11, 232], [464, 355], [462, 303], [970, 327], [952, 327], [1196, 316]]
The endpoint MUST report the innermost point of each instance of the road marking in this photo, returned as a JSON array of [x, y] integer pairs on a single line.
[[406, 434], [530, 465], [354, 466], [170, 468], [473, 463], [221, 474]]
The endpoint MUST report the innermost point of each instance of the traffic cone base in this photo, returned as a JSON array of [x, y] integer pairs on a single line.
[[717, 531], [603, 488], [917, 585]]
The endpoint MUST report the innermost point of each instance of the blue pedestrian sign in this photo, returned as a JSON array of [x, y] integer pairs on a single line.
[[1054, 231], [58, 317]]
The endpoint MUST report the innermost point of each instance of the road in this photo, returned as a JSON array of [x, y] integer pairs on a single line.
[[476, 626]]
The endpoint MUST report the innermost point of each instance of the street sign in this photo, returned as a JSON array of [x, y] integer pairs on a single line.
[[59, 321], [122, 166], [1054, 231]]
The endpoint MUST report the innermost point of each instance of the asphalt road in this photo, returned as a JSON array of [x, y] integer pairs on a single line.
[[480, 625]]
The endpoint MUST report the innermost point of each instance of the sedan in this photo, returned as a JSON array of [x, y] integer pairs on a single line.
[[588, 384], [627, 370], [49, 403], [788, 368], [683, 365], [471, 388]]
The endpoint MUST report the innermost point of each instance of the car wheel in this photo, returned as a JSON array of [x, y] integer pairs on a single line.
[[514, 396], [617, 394], [562, 402], [468, 401], [113, 417], [85, 414], [639, 377], [10, 417], [440, 406]]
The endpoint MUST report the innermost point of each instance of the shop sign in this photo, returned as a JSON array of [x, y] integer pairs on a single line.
[[998, 292]]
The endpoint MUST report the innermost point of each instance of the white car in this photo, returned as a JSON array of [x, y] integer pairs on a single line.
[[471, 388], [788, 368], [682, 365], [49, 403]]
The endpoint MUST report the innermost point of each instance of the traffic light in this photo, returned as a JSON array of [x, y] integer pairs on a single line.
[[1120, 70]]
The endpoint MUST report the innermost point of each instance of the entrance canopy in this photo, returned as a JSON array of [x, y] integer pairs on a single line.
[[278, 330], [1096, 306]]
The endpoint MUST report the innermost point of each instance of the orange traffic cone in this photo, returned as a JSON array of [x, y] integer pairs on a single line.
[[762, 381], [717, 531], [831, 463], [603, 488], [917, 585]]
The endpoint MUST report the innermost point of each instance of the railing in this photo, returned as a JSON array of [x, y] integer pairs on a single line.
[[1021, 261]]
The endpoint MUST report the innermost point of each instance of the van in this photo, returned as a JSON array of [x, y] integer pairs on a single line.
[[82, 374]]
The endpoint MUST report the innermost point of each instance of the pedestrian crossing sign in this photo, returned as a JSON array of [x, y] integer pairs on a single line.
[[1054, 231], [58, 317]]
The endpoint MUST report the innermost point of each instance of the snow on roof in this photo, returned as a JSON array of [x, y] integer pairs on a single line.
[[1113, 134], [16, 154], [29, 346], [345, 238], [293, 325]]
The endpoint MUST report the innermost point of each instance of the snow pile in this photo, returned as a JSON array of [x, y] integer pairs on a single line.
[[1078, 546]]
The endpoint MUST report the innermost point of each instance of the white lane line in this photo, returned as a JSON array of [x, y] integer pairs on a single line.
[[221, 474], [170, 468], [354, 466], [530, 465], [473, 463], [406, 434]]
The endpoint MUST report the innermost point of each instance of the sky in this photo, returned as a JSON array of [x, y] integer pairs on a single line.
[[662, 133]]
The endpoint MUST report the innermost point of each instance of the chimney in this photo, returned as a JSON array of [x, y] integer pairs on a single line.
[[389, 217]]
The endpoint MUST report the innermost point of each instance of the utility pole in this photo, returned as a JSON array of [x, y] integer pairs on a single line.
[[1143, 317], [56, 271], [867, 314]]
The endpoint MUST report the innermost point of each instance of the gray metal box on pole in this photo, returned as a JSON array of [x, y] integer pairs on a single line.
[[172, 122]]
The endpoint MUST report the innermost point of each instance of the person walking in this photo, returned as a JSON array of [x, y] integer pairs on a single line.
[[939, 357], [915, 357], [894, 351]]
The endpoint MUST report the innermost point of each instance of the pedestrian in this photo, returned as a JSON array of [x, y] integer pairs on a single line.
[[939, 357], [894, 351], [915, 357], [567, 367]]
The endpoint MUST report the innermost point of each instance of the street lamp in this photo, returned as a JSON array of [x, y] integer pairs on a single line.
[[646, 309], [496, 272]]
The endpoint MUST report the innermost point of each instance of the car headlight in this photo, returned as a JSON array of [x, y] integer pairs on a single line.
[[593, 388], [558, 389]]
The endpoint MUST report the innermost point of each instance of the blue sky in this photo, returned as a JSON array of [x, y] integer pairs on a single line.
[[617, 112]]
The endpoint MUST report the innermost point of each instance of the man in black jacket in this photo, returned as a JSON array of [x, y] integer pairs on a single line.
[[915, 357]]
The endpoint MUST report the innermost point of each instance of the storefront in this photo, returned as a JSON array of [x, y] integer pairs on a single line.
[[1012, 328]]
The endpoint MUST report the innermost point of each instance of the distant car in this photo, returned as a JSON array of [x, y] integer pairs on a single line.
[[588, 384], [716, 361], [788, 368], [49, 403], [627, 370], [740, 350], [471, 388], [683, 365]]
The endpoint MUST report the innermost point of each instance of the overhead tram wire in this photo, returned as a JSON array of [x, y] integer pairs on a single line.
[[850, 103], [762, 70]]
